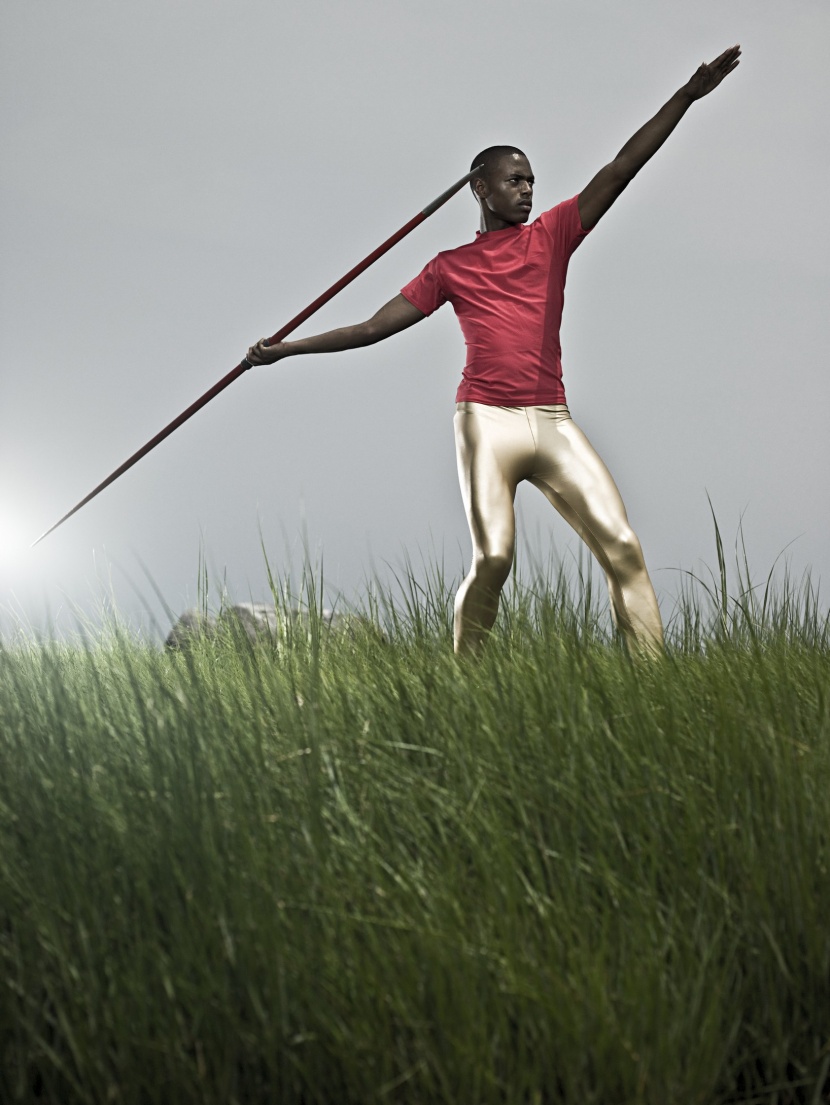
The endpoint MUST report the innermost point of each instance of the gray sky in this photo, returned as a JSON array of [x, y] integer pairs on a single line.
[[180, 178]]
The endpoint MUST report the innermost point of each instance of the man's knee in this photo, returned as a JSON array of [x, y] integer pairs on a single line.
[[625, 550], [493, 568]]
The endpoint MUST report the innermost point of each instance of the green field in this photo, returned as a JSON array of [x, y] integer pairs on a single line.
[[343, 869]]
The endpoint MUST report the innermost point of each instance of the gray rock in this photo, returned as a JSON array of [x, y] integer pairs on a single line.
[[192, 625], [260, 621]]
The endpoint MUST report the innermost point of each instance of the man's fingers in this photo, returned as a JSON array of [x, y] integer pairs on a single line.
[[727, 55], [721, 59]]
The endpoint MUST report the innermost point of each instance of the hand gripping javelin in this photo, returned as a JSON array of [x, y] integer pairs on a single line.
[[244, 365]]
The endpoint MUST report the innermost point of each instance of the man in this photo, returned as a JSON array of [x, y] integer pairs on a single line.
[[511, 420]]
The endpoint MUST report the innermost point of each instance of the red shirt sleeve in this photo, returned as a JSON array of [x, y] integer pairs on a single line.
[[425, 291], [564, 225]]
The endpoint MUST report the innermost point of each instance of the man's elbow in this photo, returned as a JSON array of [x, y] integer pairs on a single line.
[[370, 332], [622, 171]]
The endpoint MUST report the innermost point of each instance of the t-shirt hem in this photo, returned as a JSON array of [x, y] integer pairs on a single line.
[[424, 309], [537, 399]]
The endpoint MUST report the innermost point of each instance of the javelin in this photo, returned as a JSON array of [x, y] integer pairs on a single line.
[[245, 364]]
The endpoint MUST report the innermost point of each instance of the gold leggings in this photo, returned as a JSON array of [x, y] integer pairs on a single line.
[[497, 447]]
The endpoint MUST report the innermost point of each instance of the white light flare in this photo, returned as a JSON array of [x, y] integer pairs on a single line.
[[15, 540]]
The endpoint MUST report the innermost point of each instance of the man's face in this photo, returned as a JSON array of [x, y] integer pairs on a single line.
[[508, 189]]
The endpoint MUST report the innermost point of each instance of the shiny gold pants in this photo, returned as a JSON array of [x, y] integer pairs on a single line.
[[497, 447]]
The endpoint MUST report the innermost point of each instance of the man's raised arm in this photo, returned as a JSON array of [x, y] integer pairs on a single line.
[[612, 179], [394, 316]]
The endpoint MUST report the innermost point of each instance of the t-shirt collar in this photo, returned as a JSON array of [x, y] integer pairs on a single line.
[[483, 235]]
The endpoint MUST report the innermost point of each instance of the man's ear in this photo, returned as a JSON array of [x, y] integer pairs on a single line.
[[480, 187]]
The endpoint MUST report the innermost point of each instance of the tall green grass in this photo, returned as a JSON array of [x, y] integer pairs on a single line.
[[344, 868]]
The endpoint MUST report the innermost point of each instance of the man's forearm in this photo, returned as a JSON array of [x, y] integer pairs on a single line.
[[651, 136], [333, 341], [394, 316]]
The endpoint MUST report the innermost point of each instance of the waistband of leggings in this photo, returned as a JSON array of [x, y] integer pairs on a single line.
[[552, 408]]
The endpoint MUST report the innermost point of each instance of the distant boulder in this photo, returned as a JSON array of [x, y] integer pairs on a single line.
[[192, 625], [257, 619], [260, 621]]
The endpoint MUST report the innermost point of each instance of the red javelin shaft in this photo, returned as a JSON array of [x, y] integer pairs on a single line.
[[244, 365]]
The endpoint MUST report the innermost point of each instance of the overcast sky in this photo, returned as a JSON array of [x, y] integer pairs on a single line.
[[179, 178]]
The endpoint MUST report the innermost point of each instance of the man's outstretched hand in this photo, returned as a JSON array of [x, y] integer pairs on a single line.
[[708, 77], [261, 353]]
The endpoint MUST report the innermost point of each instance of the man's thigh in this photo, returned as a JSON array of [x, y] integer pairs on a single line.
[[575, 479], [495, 450]]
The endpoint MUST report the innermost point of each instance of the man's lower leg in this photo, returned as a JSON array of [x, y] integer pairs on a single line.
[[635, 606], [477, 604]]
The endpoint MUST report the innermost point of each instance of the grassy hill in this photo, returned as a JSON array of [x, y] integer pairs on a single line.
[[342, 868]]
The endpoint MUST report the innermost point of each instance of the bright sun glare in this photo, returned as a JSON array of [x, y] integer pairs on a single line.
[[14, 541]]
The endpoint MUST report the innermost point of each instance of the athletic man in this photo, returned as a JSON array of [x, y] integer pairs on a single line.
[[511, 420]]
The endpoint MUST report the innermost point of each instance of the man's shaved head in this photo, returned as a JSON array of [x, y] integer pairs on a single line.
[[490, 157]]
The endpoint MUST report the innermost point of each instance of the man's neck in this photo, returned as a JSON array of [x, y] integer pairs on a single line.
[[489, 222]]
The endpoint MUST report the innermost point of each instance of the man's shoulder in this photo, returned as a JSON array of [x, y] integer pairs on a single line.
[[566, 211], [456, 251]]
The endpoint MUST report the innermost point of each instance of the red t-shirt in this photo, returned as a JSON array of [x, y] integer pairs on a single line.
[[507, 289]]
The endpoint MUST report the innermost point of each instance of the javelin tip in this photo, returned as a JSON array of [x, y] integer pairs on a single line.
[[46, 533]]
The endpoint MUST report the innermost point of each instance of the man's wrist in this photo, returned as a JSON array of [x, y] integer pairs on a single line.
[[684, 95]]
